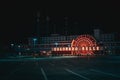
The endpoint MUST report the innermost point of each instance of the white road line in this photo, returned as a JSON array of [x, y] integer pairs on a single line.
[[52, 64], [110, 74], [77, 74], [43, 72]]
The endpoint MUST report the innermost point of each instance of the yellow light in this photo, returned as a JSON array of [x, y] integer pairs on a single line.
[[66, 48], [54, 49], [63, 48], [72, 48], [76, 48], [58, 49], [69, 48]]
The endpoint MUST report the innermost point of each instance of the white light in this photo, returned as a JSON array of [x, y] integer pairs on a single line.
[[57, 49], [66, 48], [76, 48], [34, 39], [12, 44], [83, 48], [60, 49], [69, 48], [72, 48], [19, 46], [90, 48], [93, 48], [63, 48], [86, 48], [54, 49], [98, 48]]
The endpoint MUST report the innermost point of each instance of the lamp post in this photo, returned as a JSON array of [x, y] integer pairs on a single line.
[[56, 44], [34, 42]]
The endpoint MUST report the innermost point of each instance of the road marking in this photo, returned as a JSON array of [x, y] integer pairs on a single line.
[[110, 74], [52, 64], [77, 74], [43, 72]]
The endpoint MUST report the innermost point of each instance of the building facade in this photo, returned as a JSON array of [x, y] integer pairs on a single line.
[[98, 43]]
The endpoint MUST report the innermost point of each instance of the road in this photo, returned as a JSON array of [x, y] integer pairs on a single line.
[[73, 68]]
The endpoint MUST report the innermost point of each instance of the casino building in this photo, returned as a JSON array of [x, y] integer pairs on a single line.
[[65, 45], [84, 44], [59, 45]]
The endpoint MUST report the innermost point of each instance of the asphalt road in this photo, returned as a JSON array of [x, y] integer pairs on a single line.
[[74, 68]]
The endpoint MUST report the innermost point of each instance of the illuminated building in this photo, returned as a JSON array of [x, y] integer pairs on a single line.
[[109, 41], [83, 44], [71, 45], [61, 45]]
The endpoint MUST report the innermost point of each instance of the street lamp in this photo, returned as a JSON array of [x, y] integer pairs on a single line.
[[56, 44], [34, 40]]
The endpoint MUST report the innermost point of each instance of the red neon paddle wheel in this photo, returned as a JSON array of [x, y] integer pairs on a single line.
[[84, 44]]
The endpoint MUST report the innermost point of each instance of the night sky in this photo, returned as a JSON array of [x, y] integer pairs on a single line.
[[18, 19]]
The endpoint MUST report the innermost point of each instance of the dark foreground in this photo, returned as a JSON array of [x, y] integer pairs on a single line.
[[80, 68]]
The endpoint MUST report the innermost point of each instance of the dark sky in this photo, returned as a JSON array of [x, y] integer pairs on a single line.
[[18, 19]]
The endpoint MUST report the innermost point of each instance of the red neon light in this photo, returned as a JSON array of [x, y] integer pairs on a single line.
[[87, 44]]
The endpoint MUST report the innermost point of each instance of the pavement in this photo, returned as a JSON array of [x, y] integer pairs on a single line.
[[61, 68]]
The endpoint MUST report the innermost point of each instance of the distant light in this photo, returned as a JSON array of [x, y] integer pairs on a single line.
[[72, 48], [19, 46], [90, 48], [34, 39], [56, 43], [12, 44], [63, 48], [76, 48], [57, 48], [60, 49], [98, 48], [66, 48], [93, 48], [54, 49], [83, 48], [86, 48]]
